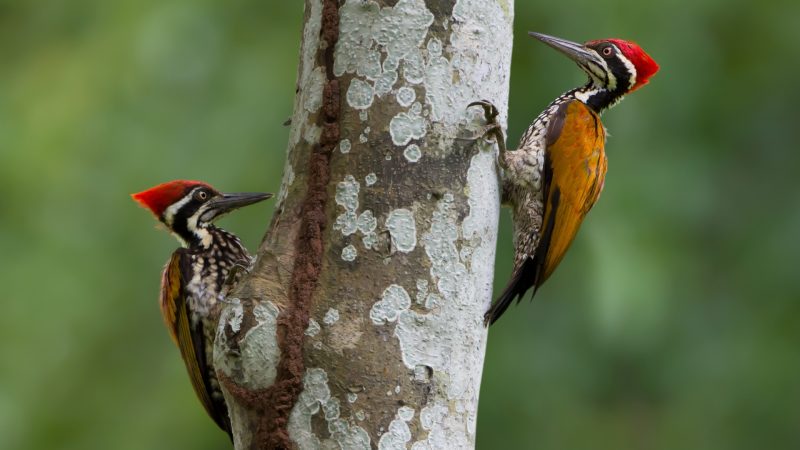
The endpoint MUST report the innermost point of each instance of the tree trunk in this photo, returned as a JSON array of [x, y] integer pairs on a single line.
[[361, 324]]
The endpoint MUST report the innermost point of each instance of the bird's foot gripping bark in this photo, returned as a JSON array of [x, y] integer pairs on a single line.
[[493, 130], [238, 268]]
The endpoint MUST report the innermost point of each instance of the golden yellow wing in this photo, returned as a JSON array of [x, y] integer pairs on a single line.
[[171, 294], [188, 338], [574, 172], [575, 169]]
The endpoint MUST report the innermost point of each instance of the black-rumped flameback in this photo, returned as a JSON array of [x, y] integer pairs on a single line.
[[196, 275]]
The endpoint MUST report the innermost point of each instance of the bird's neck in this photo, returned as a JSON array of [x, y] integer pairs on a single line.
[[596, 97], [198, 237]]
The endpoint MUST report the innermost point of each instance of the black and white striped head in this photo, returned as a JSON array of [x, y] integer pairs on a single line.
[[615, 68], [187, 208]]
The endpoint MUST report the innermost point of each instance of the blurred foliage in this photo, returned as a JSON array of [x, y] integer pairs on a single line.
[[672, 324]]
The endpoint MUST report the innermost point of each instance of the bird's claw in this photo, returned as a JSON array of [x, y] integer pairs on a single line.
[[233, 274], [489, 110], [493, 129]]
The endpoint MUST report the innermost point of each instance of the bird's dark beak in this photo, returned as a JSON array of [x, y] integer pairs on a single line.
[[574, 51], [226, 203]]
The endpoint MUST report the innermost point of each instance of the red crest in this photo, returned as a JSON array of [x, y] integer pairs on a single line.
[[159, 198], [646, 67]]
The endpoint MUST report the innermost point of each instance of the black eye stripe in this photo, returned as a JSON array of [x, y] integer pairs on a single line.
[[620, 71], [181, 217], [179, 223]]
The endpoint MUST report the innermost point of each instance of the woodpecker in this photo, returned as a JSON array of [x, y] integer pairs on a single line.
[[195, 277], [555, 176]]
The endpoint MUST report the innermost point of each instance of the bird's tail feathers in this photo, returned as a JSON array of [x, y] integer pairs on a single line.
[[524, 279]]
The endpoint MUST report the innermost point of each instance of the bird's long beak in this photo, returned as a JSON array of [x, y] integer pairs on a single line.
[[574, 51], [228, 202]]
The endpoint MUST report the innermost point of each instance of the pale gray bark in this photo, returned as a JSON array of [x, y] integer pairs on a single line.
[[381, 314]]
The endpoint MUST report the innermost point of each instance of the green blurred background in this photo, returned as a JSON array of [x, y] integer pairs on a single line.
[[672, 324]]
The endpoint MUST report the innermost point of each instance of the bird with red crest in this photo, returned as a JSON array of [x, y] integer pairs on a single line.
[[196, 275], [556, 174]]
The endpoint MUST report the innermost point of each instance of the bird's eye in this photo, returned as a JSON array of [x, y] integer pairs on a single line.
[[607, 51], [201, 195]]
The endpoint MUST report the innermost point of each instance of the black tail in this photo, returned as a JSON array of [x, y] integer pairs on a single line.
[[524, 279], [529, 274]]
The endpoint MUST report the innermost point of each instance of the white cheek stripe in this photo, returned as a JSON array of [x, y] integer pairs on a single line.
[[612, 80], [605, 78], [200, 231], [631, 69], [191, 224], [598, 78], [584, 96], [172, 210]]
